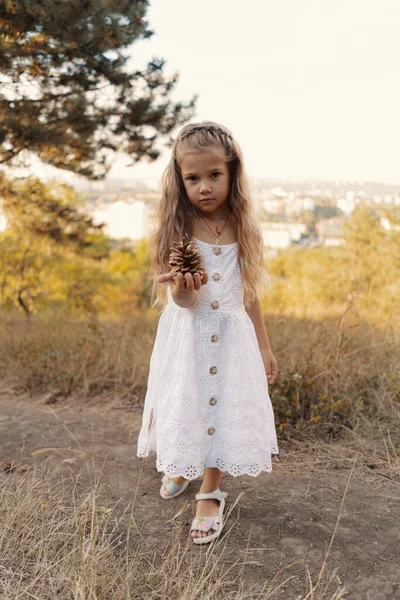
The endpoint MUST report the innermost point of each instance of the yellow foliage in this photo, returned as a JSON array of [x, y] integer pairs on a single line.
[[363, 273]]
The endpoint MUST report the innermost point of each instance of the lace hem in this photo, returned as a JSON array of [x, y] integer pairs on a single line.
[[192, 472]]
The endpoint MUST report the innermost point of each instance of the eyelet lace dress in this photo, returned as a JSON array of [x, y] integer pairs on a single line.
[[207, 401]]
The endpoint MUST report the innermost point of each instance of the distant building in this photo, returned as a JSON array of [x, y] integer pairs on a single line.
[[281, 234], [123, 219], [346, 205], [330, 231], [384, 221], [273, 206], [308, 204], [278, 192], [275, 238], [333, 241], [296, 230], [296, 206]]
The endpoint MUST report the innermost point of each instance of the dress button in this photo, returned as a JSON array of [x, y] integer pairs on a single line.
[[216, 277], [213, 401], [211, 431], [213, 370], [214, 304], [217, 250], [214, 337]]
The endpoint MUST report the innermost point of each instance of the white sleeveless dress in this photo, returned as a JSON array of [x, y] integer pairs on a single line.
[[207, 401]]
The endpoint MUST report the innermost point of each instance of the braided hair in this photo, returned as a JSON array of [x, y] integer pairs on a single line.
[[214, 128]]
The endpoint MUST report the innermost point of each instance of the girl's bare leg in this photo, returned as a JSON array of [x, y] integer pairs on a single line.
[[208, 508]]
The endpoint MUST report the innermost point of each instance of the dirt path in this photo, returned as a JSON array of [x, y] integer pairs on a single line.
[[284, 517]]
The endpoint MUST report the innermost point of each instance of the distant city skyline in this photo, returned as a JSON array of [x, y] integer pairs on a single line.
[[310, 89]]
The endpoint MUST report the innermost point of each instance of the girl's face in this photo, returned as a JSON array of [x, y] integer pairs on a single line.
[[205, 176]]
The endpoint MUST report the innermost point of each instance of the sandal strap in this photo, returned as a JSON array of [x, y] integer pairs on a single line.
[[172, 487], [216, 495], [205, 524]]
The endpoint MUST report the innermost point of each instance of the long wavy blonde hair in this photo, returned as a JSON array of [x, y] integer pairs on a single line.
[[175, 213]]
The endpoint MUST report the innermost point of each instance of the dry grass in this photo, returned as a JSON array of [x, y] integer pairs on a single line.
[[61, 543], [68, 355], [331, 371]]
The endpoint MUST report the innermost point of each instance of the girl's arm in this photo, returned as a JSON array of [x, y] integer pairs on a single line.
[[183, 298], [183, 295], [255, 314]]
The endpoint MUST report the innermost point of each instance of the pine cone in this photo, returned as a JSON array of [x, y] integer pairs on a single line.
[[186, 258]]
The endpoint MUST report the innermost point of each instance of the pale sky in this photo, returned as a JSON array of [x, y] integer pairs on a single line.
[[309, 88]]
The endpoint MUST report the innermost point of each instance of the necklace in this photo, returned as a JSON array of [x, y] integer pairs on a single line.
[[216, 227]]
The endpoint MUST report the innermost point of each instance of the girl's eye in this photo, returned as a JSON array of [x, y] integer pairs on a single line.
[[191, 178], [216, 173]]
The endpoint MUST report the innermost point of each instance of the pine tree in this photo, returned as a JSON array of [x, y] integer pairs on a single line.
[[65, 92]]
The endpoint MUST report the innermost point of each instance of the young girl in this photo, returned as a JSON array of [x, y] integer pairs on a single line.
[[207, 408]]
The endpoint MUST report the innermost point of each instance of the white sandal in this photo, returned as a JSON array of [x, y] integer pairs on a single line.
[[207, 523], [174, 489]]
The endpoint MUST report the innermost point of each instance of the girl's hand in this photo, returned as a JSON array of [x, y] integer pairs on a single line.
[[270, 364], [187, 283]]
